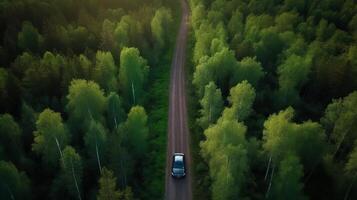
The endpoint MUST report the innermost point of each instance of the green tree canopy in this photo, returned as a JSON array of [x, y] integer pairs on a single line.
[[29, 38], [226, 153], [107, 35], [293, 74], [212, 105], [13, 183], [282, 137], [10, 139], [136, 131], [249, 69], [287, 184], [115, 111], [339, 121], [161, 26], [107, 186], [95, 140], [241, 99], [72, 172], [86, 101], [51, 136], [133, 74], [106, 71], [217, 68]]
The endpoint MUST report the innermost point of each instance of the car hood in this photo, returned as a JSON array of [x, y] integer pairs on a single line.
[[177, 171]]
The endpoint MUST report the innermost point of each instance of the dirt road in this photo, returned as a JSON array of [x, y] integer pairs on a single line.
[[178, 134]]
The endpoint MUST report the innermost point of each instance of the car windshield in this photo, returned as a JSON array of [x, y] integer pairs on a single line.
[[178, 162]]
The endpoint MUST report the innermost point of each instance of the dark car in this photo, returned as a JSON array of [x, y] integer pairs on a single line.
[[178, 169]]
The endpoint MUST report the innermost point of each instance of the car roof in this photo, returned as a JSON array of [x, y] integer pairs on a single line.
[[179, 154]]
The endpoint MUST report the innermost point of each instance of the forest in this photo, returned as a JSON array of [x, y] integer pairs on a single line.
[[274, 105], [84, 97], [272, 94]]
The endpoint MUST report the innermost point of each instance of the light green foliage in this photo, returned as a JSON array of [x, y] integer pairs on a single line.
[[212, 105], [351, 165], [72, 172], [50, 137], [225, 151], [128, 32], [106, 71], [107, 186], [217, 68], [254, 24], [29, 38], [235, 24], [198, 13], [85, 100], [95, 140], [249, 69], [340, 121], [205, 36], [107, 35], [10, 138], [241, 99], [133, 74], [13, 183], [286, 21], [121, 34], [293, 73], [161, 26], [115, 112], [324, 30], [85, 66], [282, 137], [287, 184], [136, 131]]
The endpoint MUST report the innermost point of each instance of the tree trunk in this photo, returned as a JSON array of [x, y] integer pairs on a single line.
[[133, 92], [267, 171], [75, 181], [98, 159], [350, 187], [270, 182], [59, 150]]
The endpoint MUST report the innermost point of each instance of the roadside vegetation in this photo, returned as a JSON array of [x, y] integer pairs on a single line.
[[274, 100], [84, 97]]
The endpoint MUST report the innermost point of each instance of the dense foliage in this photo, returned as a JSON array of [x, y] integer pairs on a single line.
[[276, 98], [83, 98]]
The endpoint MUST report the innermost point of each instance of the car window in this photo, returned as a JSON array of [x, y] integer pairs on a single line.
[[178, 163]]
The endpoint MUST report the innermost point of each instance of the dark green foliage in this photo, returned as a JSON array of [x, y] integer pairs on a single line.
[[14, 184], [95, 140], [10, 137], [287, 184], [62, 59], [69, 180], [115, 112], [86, 101], [133, 74], [29, 39]]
